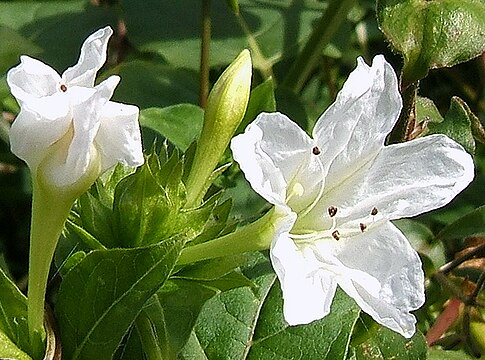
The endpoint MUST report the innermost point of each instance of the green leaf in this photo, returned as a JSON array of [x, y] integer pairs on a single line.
[[247, 323], [426, 111], [151, 84], [100, 298], [439, 354], [8, 350], [265, 22], [385, 344], [180, 124], [261, 99], [14, 45], [433, 34], [472, 223], [456, 125], [13, 314]]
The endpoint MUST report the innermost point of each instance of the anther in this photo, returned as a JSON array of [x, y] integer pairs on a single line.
[[363, 227], [63, 88], [316, 150], [374, 212], [336, 235], [332, 211]]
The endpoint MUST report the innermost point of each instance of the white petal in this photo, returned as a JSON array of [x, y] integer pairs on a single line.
[[118, 138], [275, 153], [384, 254], [32, 79], [40, 123], [354, 128], [307, 291], [91, 59], [87, 105], [405, 180]]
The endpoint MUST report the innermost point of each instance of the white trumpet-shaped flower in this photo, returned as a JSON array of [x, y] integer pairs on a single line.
[[67, 123], [338, 191]]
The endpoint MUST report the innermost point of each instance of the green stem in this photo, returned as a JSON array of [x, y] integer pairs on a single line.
[[252, 237], [322, 34], [49, 212], [148, 337], [204, 53]]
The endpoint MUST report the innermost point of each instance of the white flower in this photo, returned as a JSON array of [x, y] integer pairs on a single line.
[[339, 191], [67, 123]]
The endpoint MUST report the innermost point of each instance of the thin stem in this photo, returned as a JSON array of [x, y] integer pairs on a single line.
[[204, 53], [456, 262], [49, 212], [405, 124], [322, 34], [148, 337], [252, 237]]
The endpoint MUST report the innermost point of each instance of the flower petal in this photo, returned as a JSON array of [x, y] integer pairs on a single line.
[[307, 291], [405, 180], [40, 123], [91, 59], [32, 79], [87, 106], [118, 138], [353, 129], [384, 254], [275, 153]]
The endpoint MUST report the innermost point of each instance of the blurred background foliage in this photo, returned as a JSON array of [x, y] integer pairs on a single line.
[[156, 51]]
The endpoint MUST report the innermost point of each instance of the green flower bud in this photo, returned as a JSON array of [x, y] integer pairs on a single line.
[[225, 110]]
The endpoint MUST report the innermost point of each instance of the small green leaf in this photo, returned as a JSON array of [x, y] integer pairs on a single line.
[[261, 99], [8, 350], [472, 223], [433, 34], [180, 124], [426, 111], [13, 314], [100, 298], [385, 344], [457, 124]]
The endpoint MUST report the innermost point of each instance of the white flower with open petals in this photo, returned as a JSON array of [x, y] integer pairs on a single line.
[[338, 191], [69, 125]]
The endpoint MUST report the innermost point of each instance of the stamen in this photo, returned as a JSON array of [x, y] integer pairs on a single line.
[[374, 211], [336, 235], [63, 88], [316, 150], [363, 227], [332, 211]]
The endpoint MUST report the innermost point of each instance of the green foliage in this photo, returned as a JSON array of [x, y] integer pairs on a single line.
[[433, 34], [110, 287]]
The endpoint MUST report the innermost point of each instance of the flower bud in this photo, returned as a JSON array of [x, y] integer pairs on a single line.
[[225, 110]]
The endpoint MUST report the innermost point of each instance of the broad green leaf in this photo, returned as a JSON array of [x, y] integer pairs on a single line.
[[41, 22], [276, 26], [14, 45], [433, 34], [261, 99], [151, 84], [13, 313], [457, 125], [8, 350], [247, 323], [180, 124], [100, 298], [385, 344], [472, 223]]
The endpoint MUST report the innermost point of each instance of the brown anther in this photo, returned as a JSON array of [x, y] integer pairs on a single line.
[[336, 235], [63, 88], [374, 212], [363, 227], [316, 150], [332, 211]]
